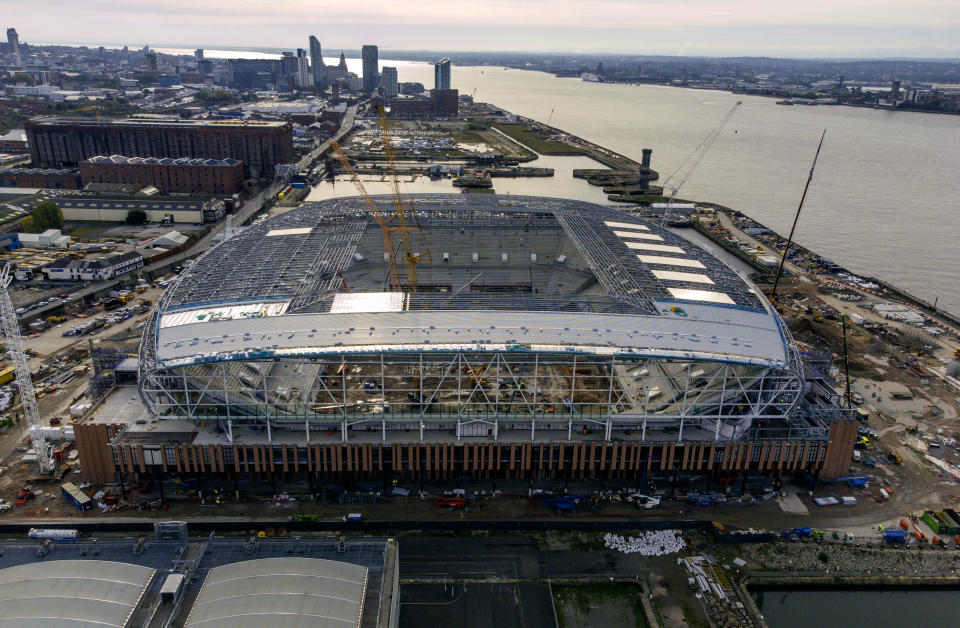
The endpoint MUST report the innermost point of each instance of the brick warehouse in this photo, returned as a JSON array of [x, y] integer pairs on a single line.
[[173, 176], [65, 142]]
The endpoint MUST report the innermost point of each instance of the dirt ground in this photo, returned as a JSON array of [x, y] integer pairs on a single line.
[[584, 606]]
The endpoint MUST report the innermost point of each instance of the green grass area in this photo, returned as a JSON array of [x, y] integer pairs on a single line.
[[599, 604], [535, 142], [468, 137]]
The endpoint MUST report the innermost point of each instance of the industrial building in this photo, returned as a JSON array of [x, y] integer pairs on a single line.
[[60, 578], [173, 176], [163, 209], [490, 336], [65, 142], [48, 178]]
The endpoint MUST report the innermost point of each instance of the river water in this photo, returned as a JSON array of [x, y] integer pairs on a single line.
[[884, 200], [930, 608]]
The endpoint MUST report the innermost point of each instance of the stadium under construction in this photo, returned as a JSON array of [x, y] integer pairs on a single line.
[[468, 335]]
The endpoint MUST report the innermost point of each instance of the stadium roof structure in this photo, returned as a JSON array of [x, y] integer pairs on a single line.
[[513, 309], [71, 593], [289, 592], [517, 273]]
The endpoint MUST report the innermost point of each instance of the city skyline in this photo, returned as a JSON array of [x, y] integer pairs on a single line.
[[851, 28]]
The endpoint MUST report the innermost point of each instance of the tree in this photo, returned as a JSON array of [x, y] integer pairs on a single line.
[[136, 217], [46, 216]]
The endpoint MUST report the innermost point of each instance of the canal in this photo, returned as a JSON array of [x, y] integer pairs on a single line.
[[875, 608]]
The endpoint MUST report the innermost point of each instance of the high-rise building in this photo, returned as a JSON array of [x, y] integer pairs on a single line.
[[288, 70], [198, 54], [441, 74], [389, 82], [151, 61], [316, 62], [13, 40], [303, 69], [371, 79], [253, 73]]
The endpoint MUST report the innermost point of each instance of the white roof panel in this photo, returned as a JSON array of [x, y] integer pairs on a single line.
[[286, 232], [625, 225], [701, 295], [637, 235], [367, 302], [663, 248], [71, 593], [660, 260], [448, 330], [673, 275], [288, 592]]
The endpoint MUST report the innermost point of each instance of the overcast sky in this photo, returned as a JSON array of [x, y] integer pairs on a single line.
[[831, 28]]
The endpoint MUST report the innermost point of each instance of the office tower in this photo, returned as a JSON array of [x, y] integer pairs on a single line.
[[316, 62], [303, 74], [371, 80], [441, 74], [288, 71], [13, 40], [391, 87], [198, 54], [151, 60]]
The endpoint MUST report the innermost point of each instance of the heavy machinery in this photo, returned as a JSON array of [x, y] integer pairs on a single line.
[[696, 156], [385, 227], [28, 399], [412, 258]]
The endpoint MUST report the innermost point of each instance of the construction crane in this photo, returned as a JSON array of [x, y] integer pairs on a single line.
[[94, 108], [411, 257], [694, 159], [388, 253], [28, 400]]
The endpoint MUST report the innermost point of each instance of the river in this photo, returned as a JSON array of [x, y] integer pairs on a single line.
[[884, 197], [930, 608]]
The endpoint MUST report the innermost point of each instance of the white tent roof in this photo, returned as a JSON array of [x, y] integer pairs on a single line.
[[71, 593], [281, 593]]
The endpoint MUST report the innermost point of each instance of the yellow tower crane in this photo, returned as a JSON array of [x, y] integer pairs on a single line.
[[375, 211], [411, 257]]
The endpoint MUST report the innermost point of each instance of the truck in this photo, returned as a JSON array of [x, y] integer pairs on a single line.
[[353, 517]]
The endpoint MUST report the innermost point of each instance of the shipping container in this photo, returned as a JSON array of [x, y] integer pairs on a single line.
[[75, 496]]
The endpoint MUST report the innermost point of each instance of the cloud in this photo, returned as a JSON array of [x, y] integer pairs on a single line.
[[656, 26]]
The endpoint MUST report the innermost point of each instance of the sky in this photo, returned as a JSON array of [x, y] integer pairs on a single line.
[[784, 28]]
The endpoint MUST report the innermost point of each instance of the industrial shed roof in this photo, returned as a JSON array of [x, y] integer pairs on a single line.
[[281, 593], [71, 593]]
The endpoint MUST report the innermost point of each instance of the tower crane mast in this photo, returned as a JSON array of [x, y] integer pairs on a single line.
[[412, 258], [388, 251], [695, 157], [28, 400]]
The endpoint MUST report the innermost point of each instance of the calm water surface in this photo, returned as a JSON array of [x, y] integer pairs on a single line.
[[884, 201], [853, 609]]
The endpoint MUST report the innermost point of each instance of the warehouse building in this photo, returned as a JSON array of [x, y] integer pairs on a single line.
[[65, 142], [165, 209], [173, 176], [506, 337], [171, 579]]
